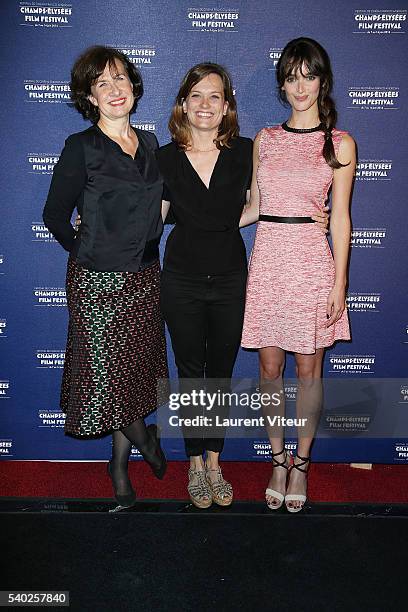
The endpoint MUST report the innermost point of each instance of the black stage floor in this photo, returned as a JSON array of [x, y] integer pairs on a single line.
[[169, 556]]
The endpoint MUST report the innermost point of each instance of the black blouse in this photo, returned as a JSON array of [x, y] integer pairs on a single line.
[[118, 198], [206, 238]]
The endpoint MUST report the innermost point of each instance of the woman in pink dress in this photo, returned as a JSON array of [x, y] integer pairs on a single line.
[[296, 286]]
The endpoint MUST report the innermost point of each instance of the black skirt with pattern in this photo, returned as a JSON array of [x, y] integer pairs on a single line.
[[116, 349]]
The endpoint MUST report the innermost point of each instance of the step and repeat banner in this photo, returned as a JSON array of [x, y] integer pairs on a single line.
[[367, 42]]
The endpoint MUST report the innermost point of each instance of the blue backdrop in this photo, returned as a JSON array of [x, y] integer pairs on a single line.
[[367, 42]]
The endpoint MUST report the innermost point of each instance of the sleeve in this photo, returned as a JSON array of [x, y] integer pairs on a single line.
[[68, 181]]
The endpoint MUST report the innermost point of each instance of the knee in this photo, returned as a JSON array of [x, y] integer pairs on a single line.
[[271, 370], [307, 376]]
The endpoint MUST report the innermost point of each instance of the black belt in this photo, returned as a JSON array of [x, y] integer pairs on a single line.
[[274, 219]]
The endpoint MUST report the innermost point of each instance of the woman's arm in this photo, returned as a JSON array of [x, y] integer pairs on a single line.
[[165, 206], [340, 226], [250, 214], [68, 181]]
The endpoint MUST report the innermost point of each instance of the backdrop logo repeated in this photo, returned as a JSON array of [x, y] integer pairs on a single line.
[[3, 328], [50, 296], [346, 422], [290, 393], [41, 163], [405, 340], [49, 359], [352, 364], [401, 451], [378, 21], [212, 20], [4, 389], [135, 454], [274, 54], [373, 98], [40, 233], [374, 170], [46, 14], [150, 126], [404, 395], [368, 237], [1, 263], [51, 418], [51, 92], [6, 447], [363, 302], [141, 55]]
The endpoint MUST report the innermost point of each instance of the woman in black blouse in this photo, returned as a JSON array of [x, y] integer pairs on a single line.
[[207, 171], [116, 348]]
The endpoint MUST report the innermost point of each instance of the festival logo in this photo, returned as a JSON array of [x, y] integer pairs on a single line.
[[4, 389], [135, 454], [41, 163], [403, 395], [352, 364], [350, 423], [149, 126], [374, 170], [40, 233], [46, 92], [1, 264], [263, 449], [49, 296], [6, 448], [51, 418], [378, 21], [405, 341], [140, 55], [401, 451], [3, 328], [46, 14], [368, 237], [50, 359], [373, 98], [212, 20], [363, 302], [273, 55]]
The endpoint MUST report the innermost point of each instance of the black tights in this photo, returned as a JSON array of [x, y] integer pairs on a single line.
[[135, 434]]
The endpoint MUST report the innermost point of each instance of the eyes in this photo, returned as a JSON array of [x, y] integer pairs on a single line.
[[117, 77], [291, 78], [213, 97]]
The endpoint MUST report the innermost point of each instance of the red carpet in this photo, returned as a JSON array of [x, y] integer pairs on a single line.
[[327, 482]]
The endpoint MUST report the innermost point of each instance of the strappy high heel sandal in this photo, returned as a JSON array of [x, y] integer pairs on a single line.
[[221, 490], [198, 489], [304, 461], [277, 494]]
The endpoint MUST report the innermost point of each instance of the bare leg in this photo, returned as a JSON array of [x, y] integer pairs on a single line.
[[308, 407], [271, 365]]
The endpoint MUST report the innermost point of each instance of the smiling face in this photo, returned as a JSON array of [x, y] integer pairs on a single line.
[[205, 105], [302, 89], [112, 92]]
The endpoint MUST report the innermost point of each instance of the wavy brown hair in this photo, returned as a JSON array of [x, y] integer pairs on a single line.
[[306, 52], [86, 70], [178, 124]]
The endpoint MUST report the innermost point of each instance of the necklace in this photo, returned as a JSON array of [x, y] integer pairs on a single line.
[[195, 150], [287, 128]]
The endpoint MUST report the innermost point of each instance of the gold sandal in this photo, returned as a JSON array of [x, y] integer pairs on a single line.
[[221, 490], [198, 489]]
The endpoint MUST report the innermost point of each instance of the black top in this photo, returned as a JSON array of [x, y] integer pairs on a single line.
[[206, 238], [118, 198]]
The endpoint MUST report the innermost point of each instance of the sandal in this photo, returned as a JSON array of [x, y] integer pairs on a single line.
[[221, 490], [277, 494], [304, 461], [198, 489]]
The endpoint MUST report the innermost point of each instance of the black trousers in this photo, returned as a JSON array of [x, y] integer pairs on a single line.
[[204, 316]]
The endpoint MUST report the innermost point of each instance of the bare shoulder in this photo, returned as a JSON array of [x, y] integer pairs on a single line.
[[347, 149]]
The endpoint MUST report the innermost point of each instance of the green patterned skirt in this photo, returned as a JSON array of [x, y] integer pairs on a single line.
[[116, 349]]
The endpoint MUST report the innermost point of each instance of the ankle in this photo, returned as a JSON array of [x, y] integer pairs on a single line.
[[197, 463]]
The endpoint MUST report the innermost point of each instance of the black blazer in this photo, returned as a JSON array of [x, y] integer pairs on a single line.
[[118, 198]]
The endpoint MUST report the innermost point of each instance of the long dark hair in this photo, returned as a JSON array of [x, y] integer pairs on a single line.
[[306, 52], [178, 124]]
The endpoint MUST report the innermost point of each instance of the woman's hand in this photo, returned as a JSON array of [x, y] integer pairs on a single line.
[[322, 219], [336, 303], [77, 223]]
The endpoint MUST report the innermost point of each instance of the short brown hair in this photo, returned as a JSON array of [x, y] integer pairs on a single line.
[[86, 70], [178, 124]]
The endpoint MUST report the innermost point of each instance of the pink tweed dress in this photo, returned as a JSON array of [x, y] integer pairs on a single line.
[[291, 270]]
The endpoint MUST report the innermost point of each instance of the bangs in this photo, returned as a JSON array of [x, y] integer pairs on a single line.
[[301, 63]]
